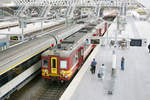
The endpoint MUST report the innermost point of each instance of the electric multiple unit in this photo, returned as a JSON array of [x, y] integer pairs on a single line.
[[61, 62]]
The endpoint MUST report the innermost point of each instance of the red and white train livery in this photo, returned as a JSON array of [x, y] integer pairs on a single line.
[[62, 62]]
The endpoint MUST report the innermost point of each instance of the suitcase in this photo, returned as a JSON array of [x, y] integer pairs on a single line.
[[99, 75]]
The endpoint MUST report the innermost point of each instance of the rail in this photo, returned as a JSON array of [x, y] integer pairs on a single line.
[[51, 91]]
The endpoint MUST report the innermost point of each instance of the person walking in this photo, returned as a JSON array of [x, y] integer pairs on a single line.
[[102, 68], [93, 66], [122, 63], [149, 48]]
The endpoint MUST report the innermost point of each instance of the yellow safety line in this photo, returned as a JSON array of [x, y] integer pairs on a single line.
[[24, 60]]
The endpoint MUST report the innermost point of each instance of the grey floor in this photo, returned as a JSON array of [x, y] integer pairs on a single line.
[[131, 84]]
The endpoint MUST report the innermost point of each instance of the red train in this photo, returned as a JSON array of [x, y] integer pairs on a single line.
[[100, 29], [62, 62]]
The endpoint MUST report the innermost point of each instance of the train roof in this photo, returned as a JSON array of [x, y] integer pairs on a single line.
[[69, 44]]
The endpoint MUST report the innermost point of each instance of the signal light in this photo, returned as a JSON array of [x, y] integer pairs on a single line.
[[94, 34], [52, 45], [60, 40]]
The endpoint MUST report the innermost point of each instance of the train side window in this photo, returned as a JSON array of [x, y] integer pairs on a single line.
[[45, 63], [82, 51], [63, 64], [74, 60], [76, 56]]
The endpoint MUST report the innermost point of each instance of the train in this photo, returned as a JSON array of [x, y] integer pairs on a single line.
[[61, 62], [19, 76], [100, 29]]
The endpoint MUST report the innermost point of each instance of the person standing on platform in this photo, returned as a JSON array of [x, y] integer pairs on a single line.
[[149, 48], [93, 66], [122, 63], [101, 72]]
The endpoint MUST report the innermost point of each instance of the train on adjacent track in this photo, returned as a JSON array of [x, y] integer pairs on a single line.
[[62, 61]]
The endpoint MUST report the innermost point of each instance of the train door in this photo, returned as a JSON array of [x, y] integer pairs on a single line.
[[54, 65], [80, 55]]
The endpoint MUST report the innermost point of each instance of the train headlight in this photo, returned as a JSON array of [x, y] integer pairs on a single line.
[[66, 76], [45, 72]]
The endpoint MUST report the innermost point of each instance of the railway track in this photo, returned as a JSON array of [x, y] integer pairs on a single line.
[[51, 91]]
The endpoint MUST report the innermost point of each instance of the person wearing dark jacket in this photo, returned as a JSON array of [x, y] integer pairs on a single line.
[[122, 63], [149, 48], [93, 66]]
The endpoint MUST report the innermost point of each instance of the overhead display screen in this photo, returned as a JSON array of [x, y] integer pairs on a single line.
[[136, 42], [95, 41]]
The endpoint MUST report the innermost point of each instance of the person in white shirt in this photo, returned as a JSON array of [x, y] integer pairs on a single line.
[[102, 71]]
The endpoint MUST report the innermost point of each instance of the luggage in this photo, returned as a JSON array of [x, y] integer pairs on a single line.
[[109, 86], [99, 75], [110, 92]]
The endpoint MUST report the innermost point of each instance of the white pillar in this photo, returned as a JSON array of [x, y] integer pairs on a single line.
[[41, 27], [8, 39], [114, 61], [22, 35]]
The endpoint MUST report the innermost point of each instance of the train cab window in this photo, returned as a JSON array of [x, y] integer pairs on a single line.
[[63, 64], [45, 63]]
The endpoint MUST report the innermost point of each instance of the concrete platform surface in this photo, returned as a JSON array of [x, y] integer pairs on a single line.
[[131, 84]]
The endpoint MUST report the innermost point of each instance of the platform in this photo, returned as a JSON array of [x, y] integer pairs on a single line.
[[131, 84], [33, 27], [8, 24]]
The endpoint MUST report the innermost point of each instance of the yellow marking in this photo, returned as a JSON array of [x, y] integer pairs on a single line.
[[68, 73], [24, 60], [54, 75]]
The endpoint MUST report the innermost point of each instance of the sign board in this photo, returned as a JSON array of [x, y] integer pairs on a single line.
[[138, 42], [95, 41], [141, 42]]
